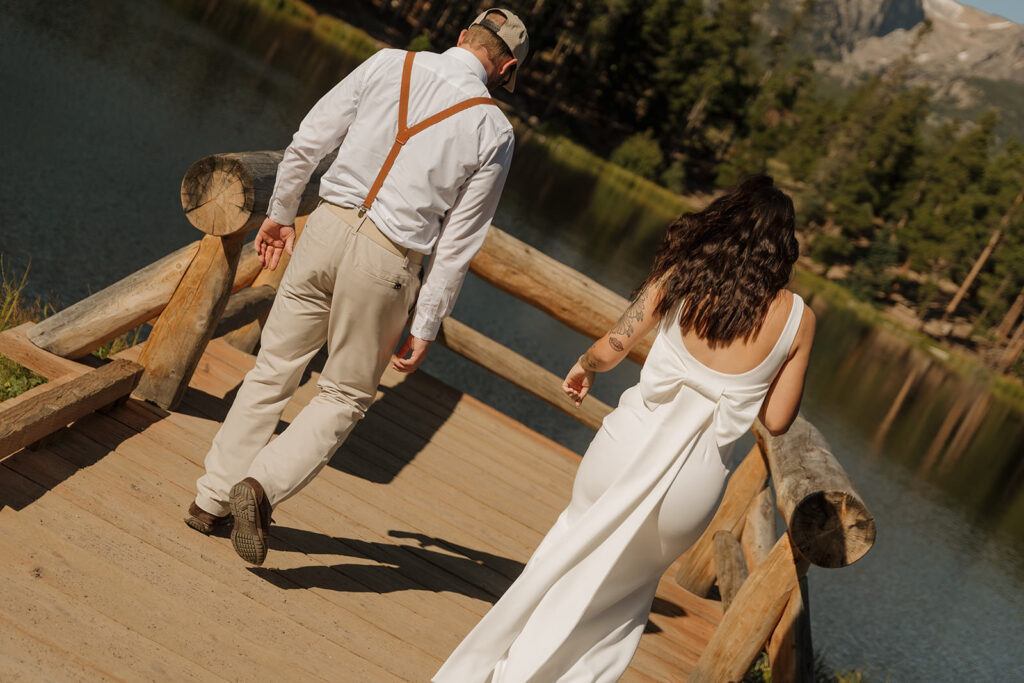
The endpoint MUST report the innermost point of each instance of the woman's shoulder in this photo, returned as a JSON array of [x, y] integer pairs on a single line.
[[808, 321]]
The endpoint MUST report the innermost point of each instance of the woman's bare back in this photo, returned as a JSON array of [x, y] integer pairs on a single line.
[[743, 355]]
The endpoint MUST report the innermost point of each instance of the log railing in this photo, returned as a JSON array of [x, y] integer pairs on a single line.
[[215, 286]]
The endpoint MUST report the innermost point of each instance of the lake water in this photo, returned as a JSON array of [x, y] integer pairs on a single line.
[[107, 102]]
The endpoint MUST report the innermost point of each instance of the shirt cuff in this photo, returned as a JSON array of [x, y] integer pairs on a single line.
[[279, 213], [425, 327]]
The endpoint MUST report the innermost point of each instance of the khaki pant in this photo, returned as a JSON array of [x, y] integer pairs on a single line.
[[340, 287]]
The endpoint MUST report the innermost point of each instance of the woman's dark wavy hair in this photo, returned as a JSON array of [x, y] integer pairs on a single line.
[[727, 262]]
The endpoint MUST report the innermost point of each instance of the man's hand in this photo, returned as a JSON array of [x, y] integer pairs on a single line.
[[416, 350], [273, 239]]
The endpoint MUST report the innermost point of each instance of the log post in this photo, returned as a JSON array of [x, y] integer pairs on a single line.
[[183, 330], [224, 194], [697, 569], [827, 519], [729, 566], [246, 337], [755, 611], [790, 652], [759, 533]]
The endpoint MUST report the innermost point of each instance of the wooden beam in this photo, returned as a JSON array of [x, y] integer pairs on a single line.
[[187, 324], [697, 568], [25, 422], [244, 307], [553, 287], [790, 651], [759, 534], [826, 517], [755, 611], [730, 566], [85, 326], [224, 194], [522, 372], [16, 344]]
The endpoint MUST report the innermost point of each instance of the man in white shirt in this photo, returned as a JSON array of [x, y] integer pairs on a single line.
[[423, 157]]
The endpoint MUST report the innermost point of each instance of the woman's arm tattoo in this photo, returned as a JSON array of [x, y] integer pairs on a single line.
[[615, 343], [588, 362], [633, 314]]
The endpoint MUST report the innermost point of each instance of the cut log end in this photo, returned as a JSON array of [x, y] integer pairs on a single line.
[[832, 528], [217, 195]]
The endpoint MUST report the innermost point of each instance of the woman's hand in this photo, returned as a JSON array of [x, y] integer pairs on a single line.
[[577, 383]]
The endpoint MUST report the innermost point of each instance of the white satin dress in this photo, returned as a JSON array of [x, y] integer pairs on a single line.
[[645, 491]]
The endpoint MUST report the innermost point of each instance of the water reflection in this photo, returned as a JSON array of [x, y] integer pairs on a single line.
[[946, 429]]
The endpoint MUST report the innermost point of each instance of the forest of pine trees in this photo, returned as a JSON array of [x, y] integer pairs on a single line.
[[905, 208]]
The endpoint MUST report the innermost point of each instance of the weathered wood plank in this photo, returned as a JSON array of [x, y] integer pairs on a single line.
[[178, 584], [789, 649], [154, 510], [522, 372], [747, 625], [730, 566], [759, 534], [26, 422], [696, 570], [826, 517], [187, 324], [54, 617], [16, 345]]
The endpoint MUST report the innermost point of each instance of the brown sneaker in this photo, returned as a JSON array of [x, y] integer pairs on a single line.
[[251, 510], [202, 521]]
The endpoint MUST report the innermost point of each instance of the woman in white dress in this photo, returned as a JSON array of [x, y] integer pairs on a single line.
[[732, 345]]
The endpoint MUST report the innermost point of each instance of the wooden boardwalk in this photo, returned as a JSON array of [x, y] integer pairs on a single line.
[[376, 570]]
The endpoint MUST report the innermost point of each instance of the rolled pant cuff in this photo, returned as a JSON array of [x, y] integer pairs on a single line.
[[209, 505]]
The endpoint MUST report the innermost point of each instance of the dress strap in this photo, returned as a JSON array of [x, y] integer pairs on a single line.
[[788, 336]]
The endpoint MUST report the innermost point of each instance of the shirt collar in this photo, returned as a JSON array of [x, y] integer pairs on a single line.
[[469, 59]]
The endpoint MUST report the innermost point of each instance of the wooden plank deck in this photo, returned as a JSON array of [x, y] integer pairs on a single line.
[[376, 571]]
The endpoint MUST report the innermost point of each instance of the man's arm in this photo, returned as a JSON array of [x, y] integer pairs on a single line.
[[322, 130], [462, 235]]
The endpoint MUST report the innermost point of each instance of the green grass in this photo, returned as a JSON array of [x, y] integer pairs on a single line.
[[15, 310], [761, 672]]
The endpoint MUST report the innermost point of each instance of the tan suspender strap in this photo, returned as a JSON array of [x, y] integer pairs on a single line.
[[405, 131]]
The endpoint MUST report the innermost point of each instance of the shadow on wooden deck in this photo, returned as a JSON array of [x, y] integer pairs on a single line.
[[376, 571]]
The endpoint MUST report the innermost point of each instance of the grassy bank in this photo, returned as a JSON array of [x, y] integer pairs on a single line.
[[16, 309], [1009, 389]]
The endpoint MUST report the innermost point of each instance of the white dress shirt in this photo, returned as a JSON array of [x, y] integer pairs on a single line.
[[443, 189]]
